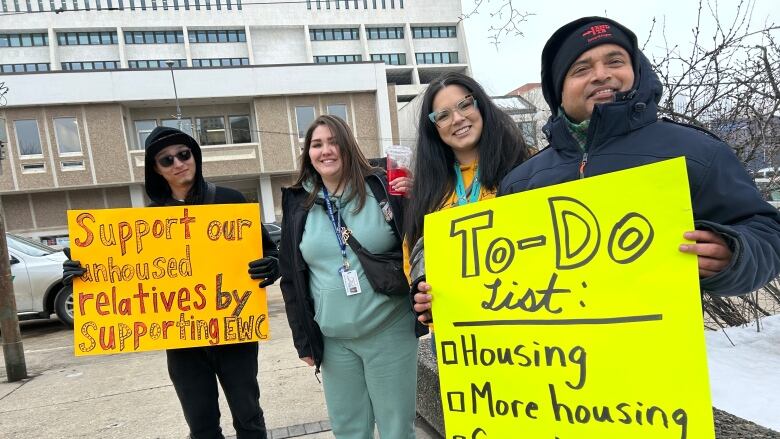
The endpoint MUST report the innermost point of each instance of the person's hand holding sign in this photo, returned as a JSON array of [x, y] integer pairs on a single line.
[[420, 289], [266, 268], [422, 302], [70, 268], [714, 254]]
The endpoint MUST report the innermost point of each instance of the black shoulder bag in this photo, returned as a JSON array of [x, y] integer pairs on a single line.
[[385, 271]]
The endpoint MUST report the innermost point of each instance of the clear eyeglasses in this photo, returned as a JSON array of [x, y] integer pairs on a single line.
[[464, 107]]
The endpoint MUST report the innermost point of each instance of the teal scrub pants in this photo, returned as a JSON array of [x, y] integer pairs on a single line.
[[372, 379]]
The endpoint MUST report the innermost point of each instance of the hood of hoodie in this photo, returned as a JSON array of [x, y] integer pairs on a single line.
[[631, 110], [157, 187]]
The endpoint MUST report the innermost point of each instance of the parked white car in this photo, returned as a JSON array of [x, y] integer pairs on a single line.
[[37, 278]]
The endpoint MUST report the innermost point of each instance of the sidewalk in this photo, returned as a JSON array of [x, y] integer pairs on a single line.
[[130, 396]]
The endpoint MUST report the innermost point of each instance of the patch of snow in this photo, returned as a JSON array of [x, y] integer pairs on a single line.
[[745, 378]]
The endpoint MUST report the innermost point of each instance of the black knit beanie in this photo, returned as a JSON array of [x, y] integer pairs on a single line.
[[571, 41]]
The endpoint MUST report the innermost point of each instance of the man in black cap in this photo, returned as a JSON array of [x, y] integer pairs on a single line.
[[603, 95], [173, 177]]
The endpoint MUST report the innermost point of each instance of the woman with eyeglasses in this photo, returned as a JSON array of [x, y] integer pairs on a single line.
[[465, 146]]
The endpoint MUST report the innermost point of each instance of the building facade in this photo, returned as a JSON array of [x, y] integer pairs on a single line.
[[88, 82], [532, 129], [417, 39]]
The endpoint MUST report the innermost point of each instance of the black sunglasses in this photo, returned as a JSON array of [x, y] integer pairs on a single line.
[[167, 161]]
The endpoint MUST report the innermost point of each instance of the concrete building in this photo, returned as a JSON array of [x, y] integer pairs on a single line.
[[88, 82], [417, 39], [532, 92]]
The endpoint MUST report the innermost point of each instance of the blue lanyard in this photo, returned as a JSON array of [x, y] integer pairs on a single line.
[[460, 190], [336, 222]]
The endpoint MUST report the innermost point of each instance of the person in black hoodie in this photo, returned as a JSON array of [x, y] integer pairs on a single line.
[[603, 95], [174, 176]]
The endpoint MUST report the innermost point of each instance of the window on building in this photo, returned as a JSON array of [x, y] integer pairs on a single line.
[[239, 129], [334, 34], [211, 130], [90, 65], [155, 63], [66, 130], [157, 37], [437, 57], [434, 32], [24, 68], [217, 36], [339, 110], [336, 59], [142, 129], [24, 40], [86, 38], [394, 59], [385, 33], [27, 137], [220, 62], [304, 116], [186, 125]]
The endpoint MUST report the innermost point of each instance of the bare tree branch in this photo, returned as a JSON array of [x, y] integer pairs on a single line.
[[3, 91], [725, 79], [510, 19]]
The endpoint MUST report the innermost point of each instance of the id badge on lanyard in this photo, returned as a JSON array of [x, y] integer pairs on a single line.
[[348, 276]]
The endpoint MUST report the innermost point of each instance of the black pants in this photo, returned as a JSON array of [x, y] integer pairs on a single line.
[[194, 373]]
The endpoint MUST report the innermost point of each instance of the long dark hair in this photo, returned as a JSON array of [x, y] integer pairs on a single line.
[[355, 166], [500, 148]]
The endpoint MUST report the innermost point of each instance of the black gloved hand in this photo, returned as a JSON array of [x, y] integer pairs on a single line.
[[70, 268], [265, 268]]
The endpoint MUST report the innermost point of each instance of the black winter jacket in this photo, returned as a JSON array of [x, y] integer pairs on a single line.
[[298, 302], [626, 134]]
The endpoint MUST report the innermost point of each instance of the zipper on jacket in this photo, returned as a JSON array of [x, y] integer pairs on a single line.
[[583, 163]]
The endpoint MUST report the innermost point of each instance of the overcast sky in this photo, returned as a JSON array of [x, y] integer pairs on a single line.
[[516, 61]]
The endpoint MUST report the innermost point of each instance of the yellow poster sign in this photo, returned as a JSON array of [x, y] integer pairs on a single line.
[[568, 312], [166, 277]]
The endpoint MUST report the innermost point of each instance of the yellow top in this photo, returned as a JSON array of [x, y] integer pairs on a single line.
[[452, 200]]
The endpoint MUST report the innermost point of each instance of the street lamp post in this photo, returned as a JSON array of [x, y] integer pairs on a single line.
[[170, 63]]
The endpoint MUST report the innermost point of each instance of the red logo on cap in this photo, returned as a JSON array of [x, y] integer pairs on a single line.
[[596, 30]]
